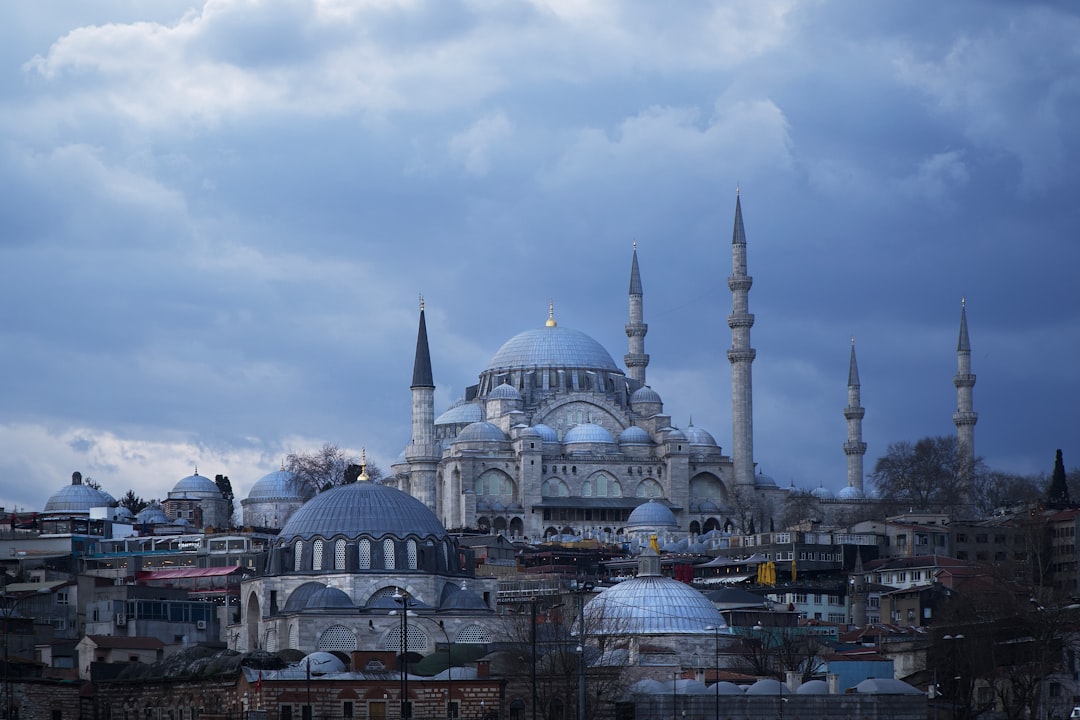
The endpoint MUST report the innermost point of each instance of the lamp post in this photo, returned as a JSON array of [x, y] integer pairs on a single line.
[[532, 604], [449, 664], [954, 650], [403, 598], [10, 603], [716, 667], [766, 646], [581, 588]]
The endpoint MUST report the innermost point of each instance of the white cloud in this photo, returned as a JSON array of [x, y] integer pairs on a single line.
[[473, 147]]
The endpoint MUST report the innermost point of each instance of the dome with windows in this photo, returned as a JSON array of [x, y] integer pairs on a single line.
[[76, 497], [552, 346], [366, 508]]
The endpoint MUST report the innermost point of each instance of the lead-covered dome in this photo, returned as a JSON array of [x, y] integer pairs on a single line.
[[652, 605], [76, 497], [504, 392], [635, 435], [461, 412], [481, 432], [366, 508], [552, 346], [196, 487], [652, 514], [699, 437], [588, 433], [278, 485]]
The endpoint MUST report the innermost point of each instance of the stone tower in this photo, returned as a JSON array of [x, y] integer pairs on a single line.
[[965, 416], [422, 453], [636, 359], [854, 448], [741, 356]]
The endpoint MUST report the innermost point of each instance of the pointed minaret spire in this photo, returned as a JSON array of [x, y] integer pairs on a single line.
[[741, 356], [854, 448], [421, 452], [965, 416], [636, 360]]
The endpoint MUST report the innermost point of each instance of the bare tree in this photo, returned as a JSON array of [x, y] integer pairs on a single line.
[[931, 473], [327, 467], [774, 651]]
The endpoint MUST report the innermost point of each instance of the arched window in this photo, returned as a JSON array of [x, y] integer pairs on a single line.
[[294, 635], [389, 560], [337, 637], [418, 640], [316, 555], [410, 548], [271, 640], [648, 488], [554, 487], [339, 554], [363, 549], [474, 634], [298, 555]]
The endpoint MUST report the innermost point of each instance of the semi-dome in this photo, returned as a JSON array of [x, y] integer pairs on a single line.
[[588, 433], [76, 497], [329, 598], [298, 598], [552, 346], [481, 432], [463, 599], [546, 432], [698, 436], [196, 486], [278, 485], [652, 605], [635, 435], [461, 412], [652, 514], [645, 394], [504, 392], [363, 508]]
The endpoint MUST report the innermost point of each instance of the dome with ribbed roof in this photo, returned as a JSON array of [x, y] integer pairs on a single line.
[[552, 346], [635, 435], [850, 493], [700, 437], [152, 514], [652, 514], [588, 433], [329, 598], [645, 394], [461, 412], [278, 485], [481, 432], [363, 508], [546, 432], [195, 487], [504, 392], [76, 497]]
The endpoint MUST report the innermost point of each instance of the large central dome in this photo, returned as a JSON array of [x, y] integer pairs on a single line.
[[363, 508], [552, 347]]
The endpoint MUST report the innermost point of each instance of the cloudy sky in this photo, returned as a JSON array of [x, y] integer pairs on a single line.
[[217, 219]]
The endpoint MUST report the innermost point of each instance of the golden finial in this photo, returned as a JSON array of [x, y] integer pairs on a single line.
[[363, 477], [551, 314], [421, 302]]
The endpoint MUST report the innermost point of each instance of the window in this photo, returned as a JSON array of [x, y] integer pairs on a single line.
[[298, 555], [364, 550], [339, 555], [981, 537], [316, 555], [347, 709], [800, 597], [389, 561], [61, 598], [961, 537]]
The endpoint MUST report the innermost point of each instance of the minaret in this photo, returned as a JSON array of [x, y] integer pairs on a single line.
[[741, 356], [965, 417], [854, 448], [636, 359], [420, 452]]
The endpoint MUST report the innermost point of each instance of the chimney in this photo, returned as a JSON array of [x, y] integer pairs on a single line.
[[834, 683], [483, 668]]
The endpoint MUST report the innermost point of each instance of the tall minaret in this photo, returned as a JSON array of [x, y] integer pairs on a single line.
[[741, 356], [421, 451], [636, 359], [854, 448], [965, 416]]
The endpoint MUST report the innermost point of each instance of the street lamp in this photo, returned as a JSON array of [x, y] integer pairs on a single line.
[[716, 670], [449, 663], [581, 588]]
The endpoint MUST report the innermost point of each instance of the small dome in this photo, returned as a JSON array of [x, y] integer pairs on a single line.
[[504, 392], [481, 432], [768, 686], [278, 485], [152, 514], [645, 394], [686, 686], [652, 605], [463, 599], [461, 412], [850, 493], [635, 435], [652, 514], [727, 688], [329, 598], [196, 486], [822, 493], [649, 686], [763, 480], [298, 598], [813, 687], [547, 432], [76, 497], [673, 434], [321, 663], [886, 686], [363, 508], [697, 436], [588, 433]]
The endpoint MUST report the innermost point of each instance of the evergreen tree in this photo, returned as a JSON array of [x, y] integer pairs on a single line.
[[1059, 487]]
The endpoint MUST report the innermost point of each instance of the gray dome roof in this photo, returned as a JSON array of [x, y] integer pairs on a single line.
[[697, 436], [886, 686], [645, 394], [321, 663], [463, 599], [822, 493], [363, 508], [547, 432], [504, 392], [674, 434], [481, 432], [813, 687], [329, 598], [727, 688], [768, 686], [278, 485], [76, 497], [652, 605], [196, 486], [652, 513], [151, 515], [850, 493], [588, 433], [635, 435], [763, 480], [554, 347], [298, 598], [461, 412]]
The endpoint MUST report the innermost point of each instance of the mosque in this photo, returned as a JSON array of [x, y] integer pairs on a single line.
[[556, 439]]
